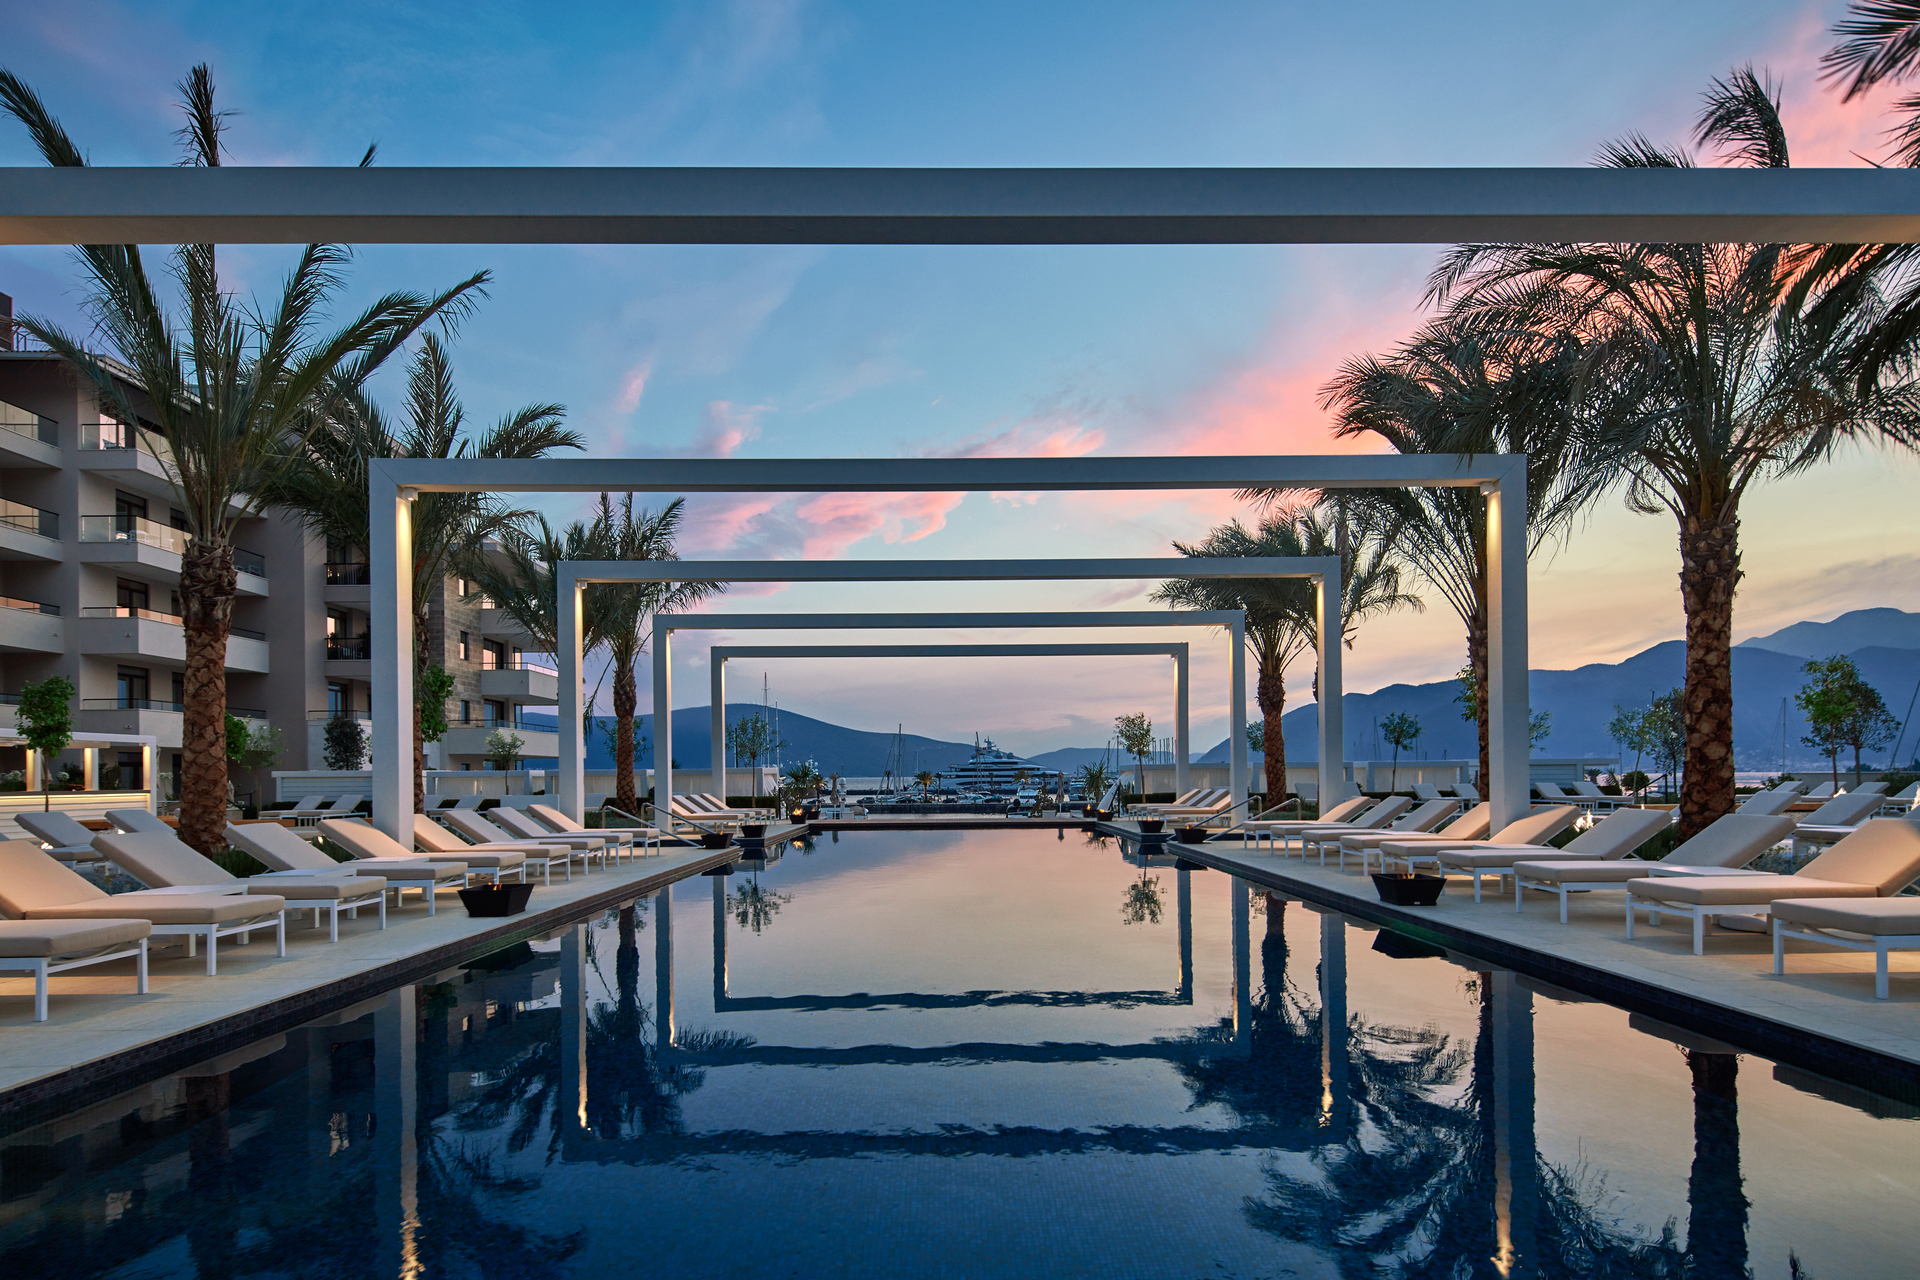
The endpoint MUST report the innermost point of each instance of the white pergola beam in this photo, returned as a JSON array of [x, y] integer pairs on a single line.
[[546, 205], [720, 654]]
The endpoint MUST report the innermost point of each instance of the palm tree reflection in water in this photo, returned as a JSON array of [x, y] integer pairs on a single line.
[[1421, 1149], [1142, 903], [754, 907]]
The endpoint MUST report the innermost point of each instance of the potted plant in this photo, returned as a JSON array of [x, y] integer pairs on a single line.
[[1409, 890]]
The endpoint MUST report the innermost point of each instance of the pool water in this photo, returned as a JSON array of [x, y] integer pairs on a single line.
[[976, 1054]]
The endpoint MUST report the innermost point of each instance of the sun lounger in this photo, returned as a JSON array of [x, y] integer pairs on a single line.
[[1320, 835], [45, 947], [34, 887], [1424, 791], [623, 837], [1728, 844], [1614, 836], [161, 861], [1889, 924], [363, 840], [683, 808], [1877, 861], [1550, 791], [465, 802], [586, 845], [1834, 820], [283, 850], [1416, 821], [1342, 812], [714, 803], [1467, 791], [61, 834], [1591, 798], [477, 841], [1868, 789], [1471, 825], [1198, 797], [139, 821], [1217, 805], [1535, 829], [1825, 791], [1765, 804]]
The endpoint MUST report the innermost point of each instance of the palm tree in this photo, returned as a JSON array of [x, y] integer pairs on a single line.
[[1706, 369], [230, 387], [327, 487], [1281, 623], [617, 613], [1450, 389]]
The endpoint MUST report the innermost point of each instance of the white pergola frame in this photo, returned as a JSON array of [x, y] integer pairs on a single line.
[[394, 482], [720, 654], [571, 576]]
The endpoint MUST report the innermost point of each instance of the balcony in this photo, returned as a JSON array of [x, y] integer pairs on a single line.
[[28, 533], [122, 539], [537, 738], [27, 439], [519, 680], [349, 648], [144, 715], [26, 626], [349, 573], [132, 459], [122, 631]]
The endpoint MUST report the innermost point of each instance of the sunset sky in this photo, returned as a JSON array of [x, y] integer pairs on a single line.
[[802, 351]]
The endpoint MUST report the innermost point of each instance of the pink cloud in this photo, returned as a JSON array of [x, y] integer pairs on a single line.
[[1823, 131], [723, 429], [632, 387]]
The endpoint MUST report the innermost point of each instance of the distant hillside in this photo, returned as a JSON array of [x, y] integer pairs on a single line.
[[835, 749], [1860, 629]]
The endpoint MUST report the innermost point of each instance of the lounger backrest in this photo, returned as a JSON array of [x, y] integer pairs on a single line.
[[1884, 853], [434, 838], [61, 830], [1911, 792], [1425, 818], [554, 819], [1821, 792], [1590, 791], [345, 804], [519, 824], [30, 880], [1765, 804], [1549, 791], [1471, 825], [361, 839], [159, 861], [1843, 811], [309, 804], [1108, 796], [474, 826], [1796, 786], [1733, 841], [1466, 791], [1424, 791], [277, 847], [1537, 827], [467, 802], [138, 820], [1619, 833], [1346, 810], [1869, 789], [1383, 813]]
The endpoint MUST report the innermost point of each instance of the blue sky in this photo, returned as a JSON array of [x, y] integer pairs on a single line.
[[794, 351]]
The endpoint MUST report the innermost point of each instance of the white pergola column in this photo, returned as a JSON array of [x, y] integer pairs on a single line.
[[662, 725], [390, 610], [570, 1107], [1330, 628], [90, 768], [1237, 715], [717, 720], [150, 772], [1508, 791], [569, 604], [1182, 742]]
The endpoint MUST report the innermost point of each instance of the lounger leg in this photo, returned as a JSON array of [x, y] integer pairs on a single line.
[[432, 891], [1779, 950], [40, 991], [383, 911], [213, 946], [1880, 971], [333, 923], [140, 969], [1699, 933], [1563, 904], [1629, 917], [280, 933], [1476, 884]]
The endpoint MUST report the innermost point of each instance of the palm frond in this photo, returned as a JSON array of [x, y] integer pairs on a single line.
[[1879, 40], [1742, 119]]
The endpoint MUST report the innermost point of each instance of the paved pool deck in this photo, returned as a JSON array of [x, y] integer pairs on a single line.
[[101, 1037], [1821, 1015]]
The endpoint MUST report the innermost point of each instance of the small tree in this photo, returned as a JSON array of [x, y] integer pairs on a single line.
[[1257, 735], [803, 780], [253, 749], [45, 720], [1094, 781], [752, 739], [434, 687], [345, 744], [1539, 728], [1628, 729], [1136, 739], [925, 779], [1665, 720], [1842, 711], [503, 748], [1401, 729]]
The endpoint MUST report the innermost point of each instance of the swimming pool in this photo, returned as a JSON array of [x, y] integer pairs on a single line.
[[971, 1054]]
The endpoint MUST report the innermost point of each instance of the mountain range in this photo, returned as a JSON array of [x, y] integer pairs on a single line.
[[1885, 643]]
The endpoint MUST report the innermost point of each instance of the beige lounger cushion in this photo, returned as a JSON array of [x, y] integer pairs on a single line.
[[442, 843], [29, 879], [297, 890], [1483, 856], [31, 939], [161, 861], [1586, 871], [1883, 853], [168, 908], [1724, 891], [1872, 916], [363, 841]]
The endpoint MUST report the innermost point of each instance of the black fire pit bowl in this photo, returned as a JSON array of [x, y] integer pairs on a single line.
[[753, 830], [496, 899], [1193, 835], [1151, 826], [715, 839], [1410, 891]]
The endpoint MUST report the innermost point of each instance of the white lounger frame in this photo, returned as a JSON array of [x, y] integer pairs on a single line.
[[276, 920], [42, 966], [1880, 945], [1701, 913]]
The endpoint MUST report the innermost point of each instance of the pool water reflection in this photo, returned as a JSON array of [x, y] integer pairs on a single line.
[[970, 1054]]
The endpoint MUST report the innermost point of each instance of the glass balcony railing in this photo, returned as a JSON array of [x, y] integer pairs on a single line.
[[508, 721], [23, 422], [156, 615], [348, 573], [492, 662], [17, 515], [29, 606], [122, 527], [349, 648], [154, 704], [324, 714], [118, 435]]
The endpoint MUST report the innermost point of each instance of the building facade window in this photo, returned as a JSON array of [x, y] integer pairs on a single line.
[[339, 698], [463, 648], [133, 686], [493, 655], [128, 594]]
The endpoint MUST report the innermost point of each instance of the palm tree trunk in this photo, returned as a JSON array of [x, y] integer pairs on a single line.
[[207, 584], [1270, 692], [1477, 660], [1709, 572], [625, 699]]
